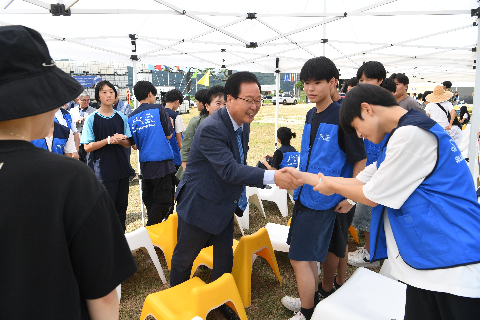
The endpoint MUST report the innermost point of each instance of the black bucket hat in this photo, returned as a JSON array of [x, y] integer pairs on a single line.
[[30, 82]]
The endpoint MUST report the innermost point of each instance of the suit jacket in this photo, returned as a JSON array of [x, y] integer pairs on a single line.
[[208, 193]]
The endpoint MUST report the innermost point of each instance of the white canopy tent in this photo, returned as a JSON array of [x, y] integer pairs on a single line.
[[425, 39]]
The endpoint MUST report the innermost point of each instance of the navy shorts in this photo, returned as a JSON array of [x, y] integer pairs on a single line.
[[310, 233], [339, 240]]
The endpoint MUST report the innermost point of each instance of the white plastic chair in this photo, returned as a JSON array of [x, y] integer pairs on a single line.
[[253, 197], [366, 295], [463, 146], [140, 239], [277, 195]]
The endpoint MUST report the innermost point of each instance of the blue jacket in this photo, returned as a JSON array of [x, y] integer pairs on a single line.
[[290, 157], [60, 137], [173, 140], [438, 225], [208, 193], [147, 131], [325, 156]]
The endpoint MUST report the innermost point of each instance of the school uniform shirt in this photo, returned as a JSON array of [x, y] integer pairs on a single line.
[[410, 157], [109, 162]]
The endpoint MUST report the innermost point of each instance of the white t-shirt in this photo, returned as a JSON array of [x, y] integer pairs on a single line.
[[437, 114], [69, 146], [179, 125], [411, 155]]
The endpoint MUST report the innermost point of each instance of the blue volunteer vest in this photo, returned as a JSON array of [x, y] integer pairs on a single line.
[[67, 116], [438, 225], [290, 157], [60, 137], [325, 156], [147, 131], [173, 140], [373, 150]]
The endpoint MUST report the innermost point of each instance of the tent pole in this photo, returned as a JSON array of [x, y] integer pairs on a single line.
[[277, 82], [472, 147], [324, 25]]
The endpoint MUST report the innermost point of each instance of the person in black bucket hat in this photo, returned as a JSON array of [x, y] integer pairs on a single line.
[[61, 257]]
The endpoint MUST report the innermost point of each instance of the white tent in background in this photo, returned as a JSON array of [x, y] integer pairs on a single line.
[[425, 39]]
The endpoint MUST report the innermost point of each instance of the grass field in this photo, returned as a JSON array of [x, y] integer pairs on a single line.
[[266, 290]]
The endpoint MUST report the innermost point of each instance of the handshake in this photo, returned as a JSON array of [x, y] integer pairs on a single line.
[[290, 178]]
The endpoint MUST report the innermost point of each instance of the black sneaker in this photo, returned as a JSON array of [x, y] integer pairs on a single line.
[[322, 294], [335, 284]]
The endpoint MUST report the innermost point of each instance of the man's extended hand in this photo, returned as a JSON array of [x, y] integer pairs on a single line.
[[286, 181]]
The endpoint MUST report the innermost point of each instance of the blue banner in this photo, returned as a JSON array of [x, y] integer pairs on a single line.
[[88, 81]]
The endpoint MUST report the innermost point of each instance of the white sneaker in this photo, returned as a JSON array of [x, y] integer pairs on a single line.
[[361, 258], [292, 304], [298, 316]]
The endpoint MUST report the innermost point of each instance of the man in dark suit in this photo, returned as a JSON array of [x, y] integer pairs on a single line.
[[209, 193]]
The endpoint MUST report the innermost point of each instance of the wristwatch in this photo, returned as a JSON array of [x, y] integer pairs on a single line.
[[351, 202]]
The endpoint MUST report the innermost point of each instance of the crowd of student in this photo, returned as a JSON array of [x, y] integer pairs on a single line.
[[377, 159]]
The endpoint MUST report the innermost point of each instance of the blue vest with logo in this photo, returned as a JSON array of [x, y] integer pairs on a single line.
[[173, 140], [60, 137], [147, 131], [325, 156], [438, 225], [290, 157], [67, 116]]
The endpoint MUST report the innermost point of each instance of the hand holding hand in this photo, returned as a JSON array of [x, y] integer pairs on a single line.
[[325, 185], [285, 180]]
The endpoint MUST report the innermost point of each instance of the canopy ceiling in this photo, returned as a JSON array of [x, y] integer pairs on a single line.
[[429, 40]]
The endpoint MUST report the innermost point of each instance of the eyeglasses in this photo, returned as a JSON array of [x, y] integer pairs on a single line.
[[251, 101], [85, 100]]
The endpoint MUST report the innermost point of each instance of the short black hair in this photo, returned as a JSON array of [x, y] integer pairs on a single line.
[[201, 95], [447, 84], [420, 96], [232, 86], [142, 89], [213, 92], [318, 69], [369, 93], [372, 70], [100, 85], [350, 83], [285, 135], [174, 95], [403, 79], [425, 94], [390, 85]]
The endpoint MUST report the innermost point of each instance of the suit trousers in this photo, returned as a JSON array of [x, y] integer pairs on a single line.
[[191, 240]]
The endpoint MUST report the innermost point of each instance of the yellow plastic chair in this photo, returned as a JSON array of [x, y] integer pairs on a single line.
[[354, 233], [164, 236], [243, 251], [194, 298], [289, 222]]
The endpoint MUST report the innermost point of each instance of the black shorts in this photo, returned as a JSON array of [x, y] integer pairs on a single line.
[[431, 305], [339, 240]]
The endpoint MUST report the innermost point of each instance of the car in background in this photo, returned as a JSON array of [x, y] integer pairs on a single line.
[[285, 98]]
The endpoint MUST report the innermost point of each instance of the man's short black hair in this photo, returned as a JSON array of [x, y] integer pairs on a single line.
[[100, 85], [447, 84], [372, 70], [420, 97], [232, 86], [390, 85], [403, 79], [285, 134], [350, 83], [142, 89], [318, 69], [425, 94], [201, 96], [174, 95], [369, 93]]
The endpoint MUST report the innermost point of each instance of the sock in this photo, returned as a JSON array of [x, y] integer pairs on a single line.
[[316, 300], [307, 313]]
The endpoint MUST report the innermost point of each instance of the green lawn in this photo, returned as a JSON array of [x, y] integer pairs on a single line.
[[266, 290]]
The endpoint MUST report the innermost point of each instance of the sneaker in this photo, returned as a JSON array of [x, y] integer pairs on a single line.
[[322, 294], [335, 284], [292, 304], [298, 316], [361, 258]]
